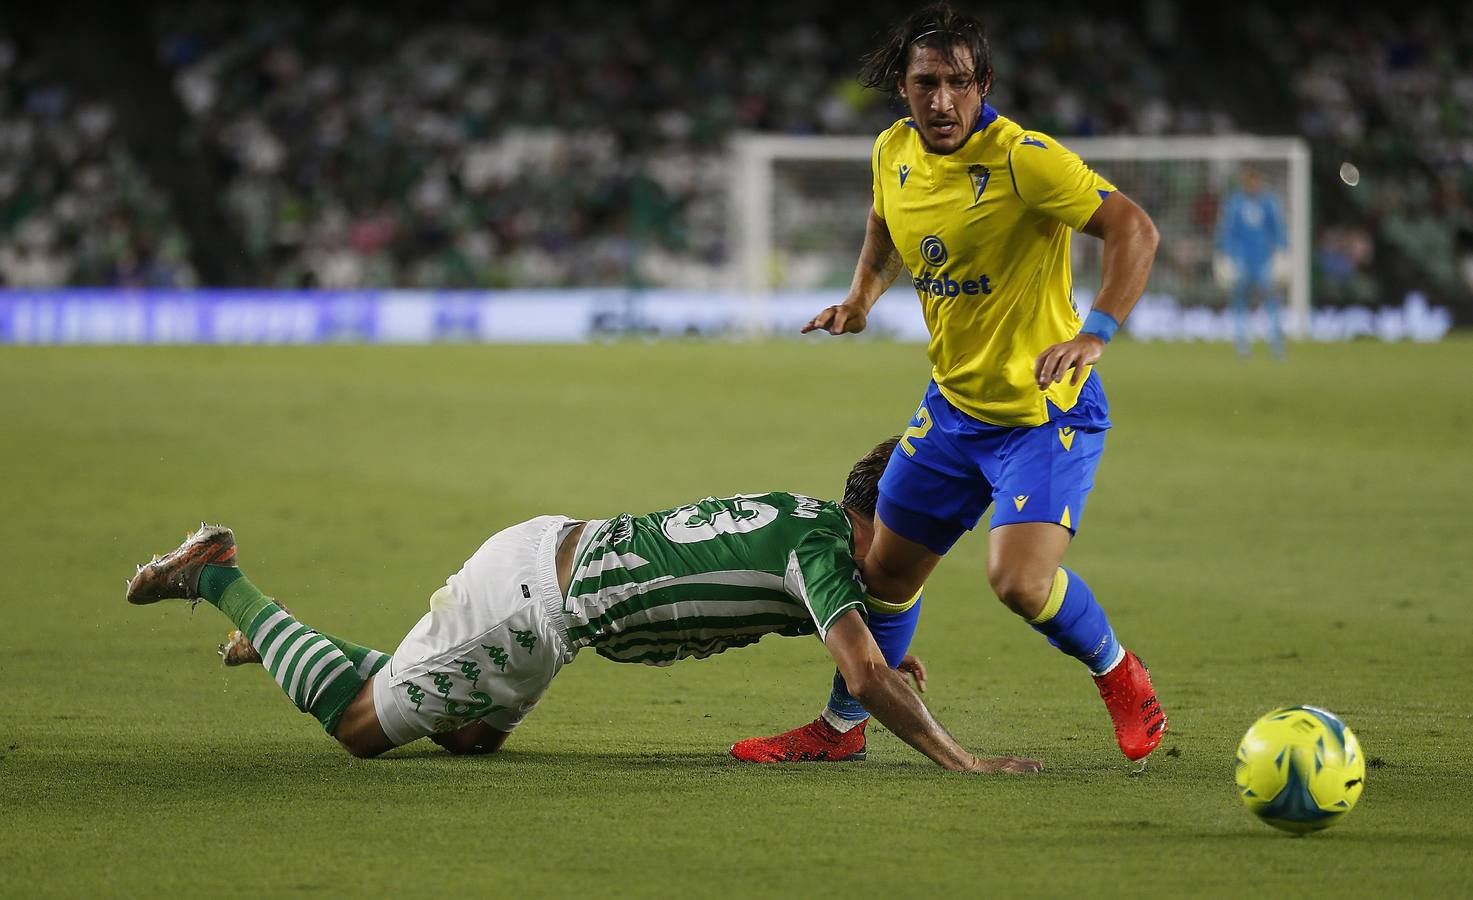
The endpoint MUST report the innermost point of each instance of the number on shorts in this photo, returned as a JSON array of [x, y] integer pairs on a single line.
[[479, 706], [923, 416]]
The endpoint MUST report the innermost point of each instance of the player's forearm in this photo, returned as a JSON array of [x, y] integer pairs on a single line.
[[1129, 252], [888, 698], [879, 264]]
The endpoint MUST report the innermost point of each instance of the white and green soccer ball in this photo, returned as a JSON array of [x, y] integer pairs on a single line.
[[1300, 769]]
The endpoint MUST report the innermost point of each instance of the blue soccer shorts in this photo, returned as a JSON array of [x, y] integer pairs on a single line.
[[949, 467]]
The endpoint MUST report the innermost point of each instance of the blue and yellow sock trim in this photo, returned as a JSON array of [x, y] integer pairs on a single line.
[[875, 604], [1055, 596]]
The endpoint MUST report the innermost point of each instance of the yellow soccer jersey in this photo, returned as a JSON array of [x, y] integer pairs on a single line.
[[985, 234]]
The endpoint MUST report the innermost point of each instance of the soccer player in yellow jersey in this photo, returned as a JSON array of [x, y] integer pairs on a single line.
[[981, 212]]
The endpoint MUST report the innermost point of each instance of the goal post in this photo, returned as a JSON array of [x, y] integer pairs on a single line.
[[799, 204]]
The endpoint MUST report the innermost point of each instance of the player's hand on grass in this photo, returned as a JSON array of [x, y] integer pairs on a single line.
[[1007, 765], [845, 318], [916, 670], [1055, 362]]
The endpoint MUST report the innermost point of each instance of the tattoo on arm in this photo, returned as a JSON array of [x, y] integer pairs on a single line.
[[879, 264], [885, 265]]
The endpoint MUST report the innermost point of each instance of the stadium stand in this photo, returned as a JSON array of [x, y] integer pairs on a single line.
[[575, 144], [75, 206], [466, 153], [1392, 94]]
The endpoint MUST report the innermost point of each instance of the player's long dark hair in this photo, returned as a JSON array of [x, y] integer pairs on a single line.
[[862, 488], [938, 27]]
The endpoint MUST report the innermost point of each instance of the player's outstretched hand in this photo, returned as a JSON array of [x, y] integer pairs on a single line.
[[1056, 361], [841, 319], [1008, 765], [916, 670]]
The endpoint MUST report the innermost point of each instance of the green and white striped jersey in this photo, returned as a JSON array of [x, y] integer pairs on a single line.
[[707, 576]]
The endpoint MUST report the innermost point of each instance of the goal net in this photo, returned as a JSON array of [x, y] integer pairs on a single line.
[[799, 206]]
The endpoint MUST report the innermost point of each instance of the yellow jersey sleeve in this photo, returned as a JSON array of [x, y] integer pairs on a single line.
[[874, 170], [1052, 179]]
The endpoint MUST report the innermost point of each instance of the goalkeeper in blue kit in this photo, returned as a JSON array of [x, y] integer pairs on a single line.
[[1251, 247], [686, 582]]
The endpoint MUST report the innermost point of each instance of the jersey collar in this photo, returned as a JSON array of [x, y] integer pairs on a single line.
[[989, 115]]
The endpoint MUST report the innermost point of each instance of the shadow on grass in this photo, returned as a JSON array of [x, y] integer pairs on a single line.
[[1264, 836], [715, 760], [160, 774]]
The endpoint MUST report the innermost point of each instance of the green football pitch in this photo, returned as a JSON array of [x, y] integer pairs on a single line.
[[1262, 533]]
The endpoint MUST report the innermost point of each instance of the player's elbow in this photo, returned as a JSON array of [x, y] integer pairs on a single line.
[[1146, 232], [1131, 224]]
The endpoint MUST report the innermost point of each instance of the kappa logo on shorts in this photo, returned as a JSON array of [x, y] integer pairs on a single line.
[[526, 592], [1019, 500], [497, 655], [1066, 437]]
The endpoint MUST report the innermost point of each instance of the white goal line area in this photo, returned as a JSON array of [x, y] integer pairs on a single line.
[[798, 206]]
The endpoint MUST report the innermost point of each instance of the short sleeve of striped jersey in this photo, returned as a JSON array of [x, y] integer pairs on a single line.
[[822, 573], [1052, 179]]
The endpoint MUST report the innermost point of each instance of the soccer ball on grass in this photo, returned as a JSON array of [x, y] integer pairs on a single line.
[[1300, 769]]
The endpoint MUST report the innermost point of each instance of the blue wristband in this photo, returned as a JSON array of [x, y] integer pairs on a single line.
[[1100, 324]]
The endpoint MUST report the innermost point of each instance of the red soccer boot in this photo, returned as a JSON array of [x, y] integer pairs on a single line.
[[1130, 698], [818, 741]]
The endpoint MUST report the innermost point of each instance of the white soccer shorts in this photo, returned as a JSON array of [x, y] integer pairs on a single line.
[[490, 645]]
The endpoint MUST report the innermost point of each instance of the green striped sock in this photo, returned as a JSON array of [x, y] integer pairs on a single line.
[[213, 581], [366, 660], [315, 671]]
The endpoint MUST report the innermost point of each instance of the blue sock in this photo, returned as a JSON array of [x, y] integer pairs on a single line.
[[1075, 623], [893, 632]]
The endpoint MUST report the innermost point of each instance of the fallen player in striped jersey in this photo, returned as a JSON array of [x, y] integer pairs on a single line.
[[653, 589]]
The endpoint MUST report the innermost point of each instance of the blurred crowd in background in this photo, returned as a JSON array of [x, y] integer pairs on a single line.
[[584, 143], [75, 206], [361, 152], [1391, 92]]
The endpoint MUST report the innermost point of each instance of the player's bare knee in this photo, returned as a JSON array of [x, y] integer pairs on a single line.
[[362, 751], [360, 745], [1024, 592], [359, 731]]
